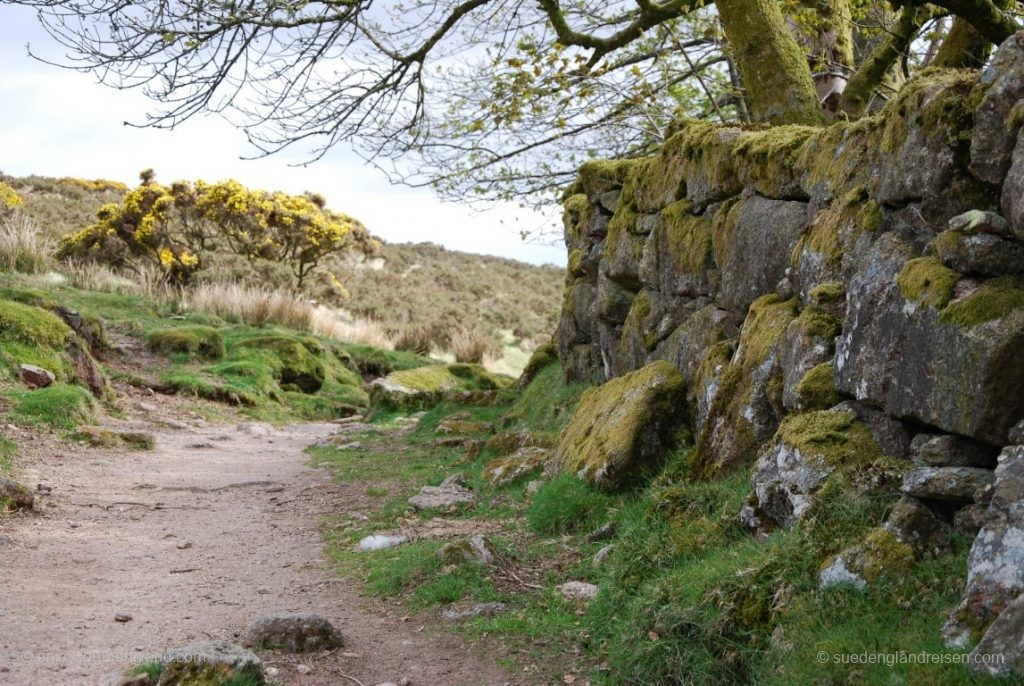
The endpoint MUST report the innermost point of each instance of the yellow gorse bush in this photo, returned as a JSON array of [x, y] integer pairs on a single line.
[[174, 226], [9, 198]]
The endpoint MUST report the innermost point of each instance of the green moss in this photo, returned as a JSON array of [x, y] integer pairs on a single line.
[[577, 214], [62, 406], [883, 553], [468, 377], [290, 358], [1015, 119], [927, 281], [818, 323], [836, 437], [853, 212], [723, 229], [767, 159], [689, 238], [543, 356], [32, 326], [201, 341], [940, 100], [817, 389], [598, 176], [830, 292], [609, 439], [994, 299], [727, 440]]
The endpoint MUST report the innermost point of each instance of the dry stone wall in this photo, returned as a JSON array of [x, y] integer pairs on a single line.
[[862, 278]]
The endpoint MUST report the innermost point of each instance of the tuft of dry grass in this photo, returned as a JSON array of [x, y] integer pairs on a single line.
[[415, 339], [92, 276], [331, 323], [250, 305], [470, 346], [23, 247]]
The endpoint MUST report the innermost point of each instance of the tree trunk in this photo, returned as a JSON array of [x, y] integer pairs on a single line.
[[873, 70], [964, 45], [772, 67]]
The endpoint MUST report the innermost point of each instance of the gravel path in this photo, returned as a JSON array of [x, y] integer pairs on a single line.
[[213, 529]]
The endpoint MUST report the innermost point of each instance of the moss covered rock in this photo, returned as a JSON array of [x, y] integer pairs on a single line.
[[622, 429], [209, 663], [424, 387], [746, 405], [906, 317], [199, 341], [807, 449], [505, 470], [292, 360]]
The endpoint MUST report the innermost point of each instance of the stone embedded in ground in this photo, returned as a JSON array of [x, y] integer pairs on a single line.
[[622, 428], [381, 541], [293, 633], [15, 495], [478, 610], [256, 428], [212, 662], [601, 556], [476, 549], [427, 386], [36, 377], [950, 484], [442, 498], [456, 479], [505, 470], [1005, 639], [945, 450], [911, 532], [533, 486], [577, 590], [602, 533]]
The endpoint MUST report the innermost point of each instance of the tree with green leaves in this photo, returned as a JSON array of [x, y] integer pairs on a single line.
[[503, 99]]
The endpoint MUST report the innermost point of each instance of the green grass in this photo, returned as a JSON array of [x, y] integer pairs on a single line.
[[62, 406], [8, 449], [153, 669], [567, 505]]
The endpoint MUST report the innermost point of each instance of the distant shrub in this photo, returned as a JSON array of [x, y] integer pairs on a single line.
[[23, 248], [469, 346], [9, 199], [172, 227]]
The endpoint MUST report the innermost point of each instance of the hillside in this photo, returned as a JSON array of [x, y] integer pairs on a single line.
[[422, 286]]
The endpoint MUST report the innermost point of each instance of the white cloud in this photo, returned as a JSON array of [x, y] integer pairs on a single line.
[[59, 123]]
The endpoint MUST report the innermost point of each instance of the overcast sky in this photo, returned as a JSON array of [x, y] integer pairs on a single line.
[[59, 123]]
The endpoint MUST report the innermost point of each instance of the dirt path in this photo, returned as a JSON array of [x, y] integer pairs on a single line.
[[215, 528]]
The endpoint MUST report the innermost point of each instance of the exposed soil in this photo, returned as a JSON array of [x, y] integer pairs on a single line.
[[213, 529]]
